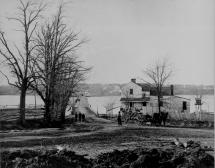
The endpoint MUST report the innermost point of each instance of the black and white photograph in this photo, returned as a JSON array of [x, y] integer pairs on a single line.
[[107, 83]]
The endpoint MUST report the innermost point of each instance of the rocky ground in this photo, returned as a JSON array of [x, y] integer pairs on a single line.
[[176, 155]]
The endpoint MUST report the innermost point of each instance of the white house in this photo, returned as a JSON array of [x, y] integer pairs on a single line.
[[133, 96], [142, 97]]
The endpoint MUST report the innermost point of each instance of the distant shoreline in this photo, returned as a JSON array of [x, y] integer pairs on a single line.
[[101, 90]]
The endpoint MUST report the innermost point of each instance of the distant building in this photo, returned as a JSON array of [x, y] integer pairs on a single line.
[[141, 97]]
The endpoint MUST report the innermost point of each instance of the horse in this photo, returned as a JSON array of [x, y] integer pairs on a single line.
[[158, 118], [164, 116]]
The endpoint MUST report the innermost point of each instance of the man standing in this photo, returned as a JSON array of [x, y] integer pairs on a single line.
[[79, 116], [83, 117], [76, 117], [119, 118]]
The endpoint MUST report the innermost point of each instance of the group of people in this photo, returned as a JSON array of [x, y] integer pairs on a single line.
[[79, 117]]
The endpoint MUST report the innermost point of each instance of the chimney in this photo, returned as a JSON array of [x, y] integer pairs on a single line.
[[172, 90], [133, 80]]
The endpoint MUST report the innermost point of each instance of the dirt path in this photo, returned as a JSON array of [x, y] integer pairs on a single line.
[[53, 133], [92, 125]]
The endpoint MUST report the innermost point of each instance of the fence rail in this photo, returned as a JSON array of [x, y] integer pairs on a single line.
[[12, 114], [29, 106]]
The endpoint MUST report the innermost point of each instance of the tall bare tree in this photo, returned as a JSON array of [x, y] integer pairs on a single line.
[[56, 66], [67, 85], [158, 75], [18, 58]]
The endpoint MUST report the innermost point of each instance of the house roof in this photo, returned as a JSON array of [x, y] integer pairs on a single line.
[[153, 92], [144, 86], [135, 99]]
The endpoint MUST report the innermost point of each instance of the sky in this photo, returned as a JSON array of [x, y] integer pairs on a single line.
[[127, 36]]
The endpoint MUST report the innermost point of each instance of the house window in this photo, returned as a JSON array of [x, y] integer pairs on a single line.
[[184, 105], [144, 103], [131, 91]]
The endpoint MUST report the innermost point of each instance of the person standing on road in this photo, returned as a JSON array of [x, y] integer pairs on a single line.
[[83, 117], [79, 117], [119, 118], [76, 117]]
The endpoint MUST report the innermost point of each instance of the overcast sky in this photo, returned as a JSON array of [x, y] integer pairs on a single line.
[[126, 36]]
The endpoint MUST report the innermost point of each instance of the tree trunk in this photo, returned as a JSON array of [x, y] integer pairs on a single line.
[[159, 109], [22, 105], [47, 116], [52, 111], [159, 105], [62, 117]]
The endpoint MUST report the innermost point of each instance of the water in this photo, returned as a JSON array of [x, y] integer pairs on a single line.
[[99, 103], [13, 100]]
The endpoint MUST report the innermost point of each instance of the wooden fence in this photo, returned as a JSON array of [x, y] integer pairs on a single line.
[[203, 116], [12, 114]]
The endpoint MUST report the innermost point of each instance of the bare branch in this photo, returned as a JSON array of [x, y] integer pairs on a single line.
[[57, 68], [8, 81], [158, 75], [20, 64]]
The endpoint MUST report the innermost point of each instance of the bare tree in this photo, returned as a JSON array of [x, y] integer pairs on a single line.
[[67, 85], [56, 66], [18, 58], [158, 75]]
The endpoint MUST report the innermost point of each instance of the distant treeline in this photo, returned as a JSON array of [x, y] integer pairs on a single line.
[[193, 89], [114, 89], [10, 90]]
